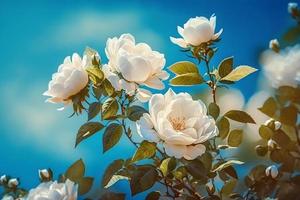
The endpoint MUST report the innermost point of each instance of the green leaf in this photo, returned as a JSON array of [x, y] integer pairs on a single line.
[[84, 185], [225, 67], [87, 130], [134, 113], [113, 196], [114, 179], [167, 165], [146, 150], [261, 150], [96, 75], [153, 196], [229, 186], [180, 172], [235, 138], [269, 108], [282, 139], [108, 88], [213, 110], [231, 172], [97, 90], [196, 169], [265, 132], [227, 164], [288, 115], [184, 67], [239, 73], [111, 170], [187, 79], [239, 116], [111, 136], [76, 171], [109, 108], [224, 127], [94, 109]]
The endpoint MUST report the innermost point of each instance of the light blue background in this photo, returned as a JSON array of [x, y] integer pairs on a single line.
[[35, 36]]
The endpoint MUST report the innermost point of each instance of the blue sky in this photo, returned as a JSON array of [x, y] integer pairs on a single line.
[[35, 37]]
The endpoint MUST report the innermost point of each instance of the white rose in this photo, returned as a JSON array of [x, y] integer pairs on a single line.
[[69, 80], [179, 122], [133, 64], [13, 183], [54, 191], [282, 68], [197, 31]]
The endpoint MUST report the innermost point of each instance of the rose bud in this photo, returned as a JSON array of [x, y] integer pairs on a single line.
[[13, 183], [293, 8], [272, 171], [274, 45], [272, 144], [210, 188], [45, 175], [273, 124], [3, 179]]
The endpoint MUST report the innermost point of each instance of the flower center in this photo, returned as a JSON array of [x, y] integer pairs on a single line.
[[178, 123]]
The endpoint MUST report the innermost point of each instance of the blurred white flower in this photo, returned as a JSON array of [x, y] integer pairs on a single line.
[[54, 191], [196, 31], [69, 80], [179, 122], [7, 197], [272, 171], [13, 183], [282, 68], [292, 6], [133, 64]]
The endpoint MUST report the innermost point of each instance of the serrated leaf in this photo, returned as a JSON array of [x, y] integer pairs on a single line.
[[269, 107], [111, 170], [228, 163], [76, 171], [239, 73], [225, 67], [229, 186], [87, 130], [239, 116], [224, 127], [109, 108], [111, 136], [184, 67], [134, 113], [235, 138], [265, 132], [167, 165], [114, 179], [213, 110], [145, 150], [84, 185], [94, 109], [107, 88], [144, 178], [95, 74], [187, 79]]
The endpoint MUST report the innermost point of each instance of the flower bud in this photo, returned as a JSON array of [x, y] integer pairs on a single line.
[[3, 179], [272, 144], [273, 124], [261, 150], [210, 188], [45, 175], [274, 45], [272, 171], [13, 183], [293, 8]]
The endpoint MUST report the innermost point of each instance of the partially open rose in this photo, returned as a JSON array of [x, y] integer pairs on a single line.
[[179, 122]]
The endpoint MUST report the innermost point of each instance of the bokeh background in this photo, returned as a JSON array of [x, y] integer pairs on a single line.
[[35, 37]]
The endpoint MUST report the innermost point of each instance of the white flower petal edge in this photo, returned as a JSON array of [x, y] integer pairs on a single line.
[[197, 31], [53, 191], [180, 123], [132, 65], [69, 80]]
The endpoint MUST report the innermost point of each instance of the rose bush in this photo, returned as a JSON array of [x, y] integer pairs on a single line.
[[179, 122]]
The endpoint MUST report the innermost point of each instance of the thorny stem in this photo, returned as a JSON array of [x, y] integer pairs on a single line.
[[212, 84]]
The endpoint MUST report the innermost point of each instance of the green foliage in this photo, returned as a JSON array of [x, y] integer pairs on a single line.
[[224, 127], [265, 132], [110, 171], [167, 166], [109, 108], [145, 150], [269, 107], [134, 113], [235, 137], [227, 164], [94, 110], [153, 195], [111, 136], [239, 73], [225, 67], [239, 116], [87, 130], [213, 110]]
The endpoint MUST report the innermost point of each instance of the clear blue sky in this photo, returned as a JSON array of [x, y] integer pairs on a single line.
[[35, 37]]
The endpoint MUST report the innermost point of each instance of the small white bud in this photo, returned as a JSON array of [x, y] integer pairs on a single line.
[[12, 183], [271, 144], [277, 125], [292, 7], [273, 124], [45, 175], [3, 179], [274, 45], [272, 171]]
